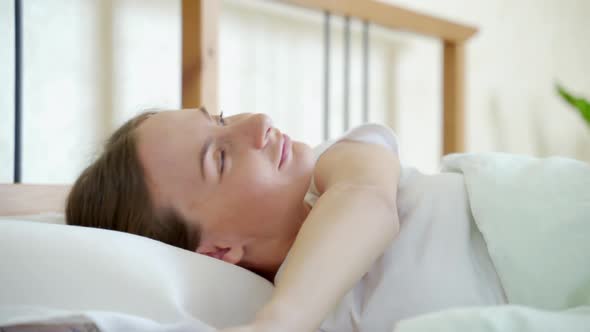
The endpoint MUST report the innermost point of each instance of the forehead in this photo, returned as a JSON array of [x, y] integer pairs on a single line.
[[168, 147], [166, 120], [167, 132]]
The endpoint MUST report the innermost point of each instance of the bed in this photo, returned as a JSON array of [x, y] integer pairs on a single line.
[[54, 271], [55, 276], [200, 48]]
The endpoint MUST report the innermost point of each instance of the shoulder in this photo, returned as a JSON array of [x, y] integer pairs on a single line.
[[366, 155], [375, 134]]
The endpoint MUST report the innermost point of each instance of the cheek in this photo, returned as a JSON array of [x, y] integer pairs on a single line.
[[248, 195], [253, 191], [251, 199], [252, 176]]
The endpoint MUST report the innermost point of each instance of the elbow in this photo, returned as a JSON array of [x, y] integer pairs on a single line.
[[390, 221]]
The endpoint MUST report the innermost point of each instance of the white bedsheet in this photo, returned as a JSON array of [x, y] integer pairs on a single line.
[[104, 321]]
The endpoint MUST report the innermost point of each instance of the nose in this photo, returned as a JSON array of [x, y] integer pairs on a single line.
[[256, 129]]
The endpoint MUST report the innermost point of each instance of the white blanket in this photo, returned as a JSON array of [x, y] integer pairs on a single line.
[[34, 318], [535, 217]]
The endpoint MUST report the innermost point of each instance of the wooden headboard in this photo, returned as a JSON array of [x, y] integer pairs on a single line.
[[21, 199], [200, 76], [200, 52]]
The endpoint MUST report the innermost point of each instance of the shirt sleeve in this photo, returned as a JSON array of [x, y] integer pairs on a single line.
[[375, 134]]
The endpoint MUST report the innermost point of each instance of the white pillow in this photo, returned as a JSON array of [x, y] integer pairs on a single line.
[[83, 269]]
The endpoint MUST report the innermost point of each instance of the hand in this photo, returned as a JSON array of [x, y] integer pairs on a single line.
[[259, 326], [243, 328], [250, 328], [269, 319]]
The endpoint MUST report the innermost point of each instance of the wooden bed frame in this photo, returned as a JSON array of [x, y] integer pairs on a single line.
[[200, 52], [200, 76], [21, 199]]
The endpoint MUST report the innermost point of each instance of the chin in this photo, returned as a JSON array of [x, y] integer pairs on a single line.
[[303, 152]]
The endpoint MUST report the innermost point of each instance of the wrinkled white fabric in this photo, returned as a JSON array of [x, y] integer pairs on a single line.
[[535, 216], [104, 321], [506, 318]]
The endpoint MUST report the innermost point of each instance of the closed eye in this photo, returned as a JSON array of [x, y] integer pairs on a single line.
[[221, 121], [222, 162]]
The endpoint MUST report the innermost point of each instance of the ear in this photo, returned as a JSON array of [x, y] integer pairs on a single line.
[[230, 253]]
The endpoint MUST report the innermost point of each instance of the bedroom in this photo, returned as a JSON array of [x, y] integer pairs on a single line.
[[90, 66]]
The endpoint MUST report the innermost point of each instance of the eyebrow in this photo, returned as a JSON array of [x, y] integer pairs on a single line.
[[207, 144]]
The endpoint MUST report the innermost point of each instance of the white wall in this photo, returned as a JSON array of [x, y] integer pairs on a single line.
[[88, 66], [272, 61], [523, 48], [91, 64]]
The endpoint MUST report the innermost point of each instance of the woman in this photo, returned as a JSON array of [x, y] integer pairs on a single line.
[[325, 221]]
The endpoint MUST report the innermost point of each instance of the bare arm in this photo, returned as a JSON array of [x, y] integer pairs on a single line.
[[352, 223]]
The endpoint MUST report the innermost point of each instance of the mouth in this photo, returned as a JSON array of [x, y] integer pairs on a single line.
[[285, 150]]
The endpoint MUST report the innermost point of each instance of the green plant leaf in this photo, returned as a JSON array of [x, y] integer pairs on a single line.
[[581, 104]]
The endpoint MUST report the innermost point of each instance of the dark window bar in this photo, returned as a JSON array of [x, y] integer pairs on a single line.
[[346, 68], [17, 89], [346, 80], [327, 37], [327, 17]]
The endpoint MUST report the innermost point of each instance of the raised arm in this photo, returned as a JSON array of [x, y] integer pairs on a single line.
[[350, 226]]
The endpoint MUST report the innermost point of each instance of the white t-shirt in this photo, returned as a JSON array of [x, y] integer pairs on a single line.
[[439, 259]]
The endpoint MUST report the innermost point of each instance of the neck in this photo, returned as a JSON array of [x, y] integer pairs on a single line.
[[278, 246]]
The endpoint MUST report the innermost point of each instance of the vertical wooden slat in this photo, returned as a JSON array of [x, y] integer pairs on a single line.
[[21, 199], [453, 97], [200, 50]]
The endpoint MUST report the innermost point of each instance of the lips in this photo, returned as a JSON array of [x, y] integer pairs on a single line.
[[285, 150]]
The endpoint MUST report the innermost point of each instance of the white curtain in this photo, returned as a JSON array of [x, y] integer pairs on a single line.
[[272, 61], [87, 67]]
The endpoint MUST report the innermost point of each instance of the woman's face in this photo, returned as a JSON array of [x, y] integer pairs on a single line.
[[242, 181]]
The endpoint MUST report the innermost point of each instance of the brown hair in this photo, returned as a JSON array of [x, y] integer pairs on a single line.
[[112, 193]]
